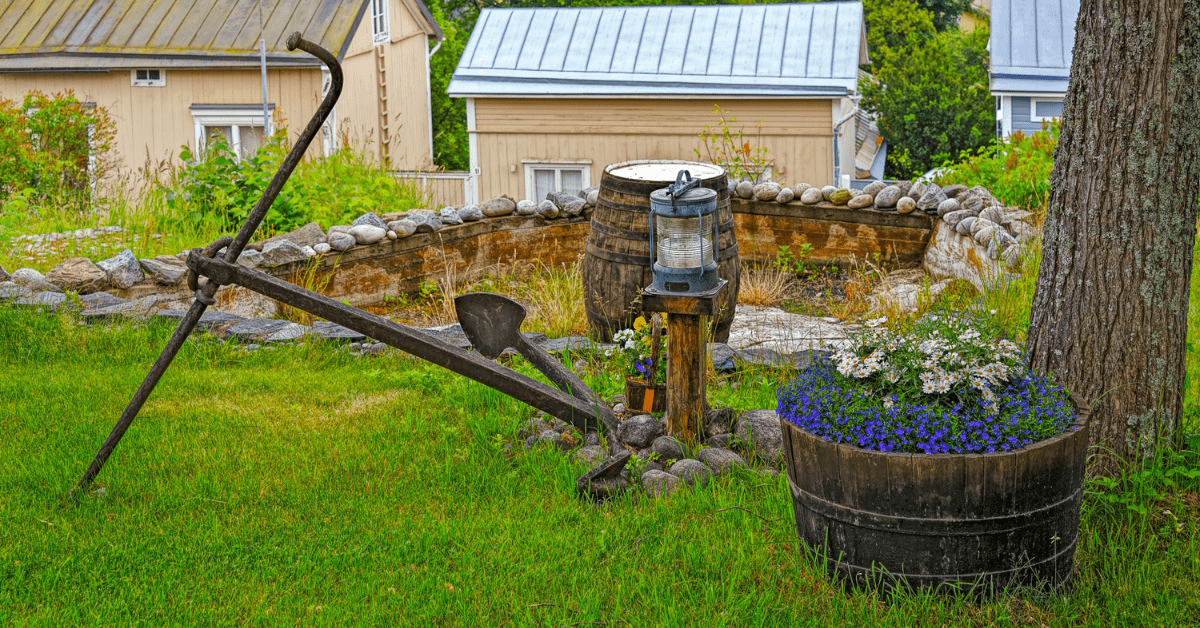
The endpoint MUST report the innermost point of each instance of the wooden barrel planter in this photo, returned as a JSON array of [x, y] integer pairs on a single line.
[[950, 522], [616, 266]]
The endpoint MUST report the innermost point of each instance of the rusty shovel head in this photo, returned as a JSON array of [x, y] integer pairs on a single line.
[[492, 322]]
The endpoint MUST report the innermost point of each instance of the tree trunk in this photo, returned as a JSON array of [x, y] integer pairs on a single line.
[[1109, 313]]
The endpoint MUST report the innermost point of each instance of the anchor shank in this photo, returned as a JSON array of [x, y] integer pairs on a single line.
[[469, 364]]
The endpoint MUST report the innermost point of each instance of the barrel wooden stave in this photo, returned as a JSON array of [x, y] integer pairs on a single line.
[[616, 267], [940, 521]]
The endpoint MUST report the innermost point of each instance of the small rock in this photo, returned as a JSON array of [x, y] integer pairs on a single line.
[[78, 274], [165, 270], [340, 241], [811, 196], [524, 208], [862, 201], [547, 210], [639, 431], [291, 331], [593, 197], [979, 224], [930, 200], [591, 454], [370, 219], [994, 214], [308, 235], [13, 290], [667, 448], [450, 216], [4, 276], [255, 329], [785, 195], [984, 235], [691, 471], [947, 206], [392, 235], [658, 483], [252, 259], [840, 196], [905, 205], [952, 191], [591, 438], [325, 330], [964, 225], [605, 480], [744, 189], [720, 460], [388, 217], [404, 227], [955, 217], [916, 191], [619, 408], [761, 432], [767, 191], [368, 234], [427, 221], [498, 207], [828, 191], [887, 197], [905, 187], [568, 204], [51, 300], [874, 188], [723, 441], [282, 252], [722, 357], [718, 421], [122, 270]]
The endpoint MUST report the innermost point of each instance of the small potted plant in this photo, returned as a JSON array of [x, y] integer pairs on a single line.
[[639, 352], [933, 457]]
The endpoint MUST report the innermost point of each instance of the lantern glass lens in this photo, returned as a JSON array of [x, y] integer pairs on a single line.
[[684, 242]]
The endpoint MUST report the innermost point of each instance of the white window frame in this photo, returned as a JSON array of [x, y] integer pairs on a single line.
[[558, 165], [161, 81], [329, 130], [380, 28], [235, 116], [1033, 116]]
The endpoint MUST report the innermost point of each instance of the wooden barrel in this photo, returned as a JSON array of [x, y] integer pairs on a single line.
[[616, 266], [940, 521]]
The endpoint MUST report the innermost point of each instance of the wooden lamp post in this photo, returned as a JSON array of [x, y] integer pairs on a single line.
[[683, 243]]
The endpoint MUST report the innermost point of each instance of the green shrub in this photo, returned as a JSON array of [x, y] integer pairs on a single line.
[[1017, 171], [52, 147], [217, 190]]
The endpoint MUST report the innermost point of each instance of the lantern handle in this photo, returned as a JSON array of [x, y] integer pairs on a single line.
[[680, 187]]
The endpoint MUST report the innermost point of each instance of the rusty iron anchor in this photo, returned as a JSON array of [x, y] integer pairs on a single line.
[[585, 413]]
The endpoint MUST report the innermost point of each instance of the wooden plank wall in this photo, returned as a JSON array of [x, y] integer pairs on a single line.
[[797, 133]]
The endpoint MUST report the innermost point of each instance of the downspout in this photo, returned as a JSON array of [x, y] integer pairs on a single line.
[[837, 132], [429, 97]]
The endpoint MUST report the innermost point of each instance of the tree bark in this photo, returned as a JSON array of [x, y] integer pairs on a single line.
[[1109, 316]]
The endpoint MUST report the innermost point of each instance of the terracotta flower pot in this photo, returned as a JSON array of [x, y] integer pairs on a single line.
[[644, 397]]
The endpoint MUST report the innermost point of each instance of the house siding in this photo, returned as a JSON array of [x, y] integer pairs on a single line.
[[797, 134], [153, 122], [1021, 114]]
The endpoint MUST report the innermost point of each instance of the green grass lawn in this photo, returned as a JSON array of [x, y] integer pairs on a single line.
[[304, 485]]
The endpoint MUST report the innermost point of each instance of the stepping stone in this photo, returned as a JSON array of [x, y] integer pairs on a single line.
[[97, 300], [128, 309], [326, 330], [452, 335], [255, 329], [762, 356], [211, 320], [291, 331], [52, 300], [574, 343]]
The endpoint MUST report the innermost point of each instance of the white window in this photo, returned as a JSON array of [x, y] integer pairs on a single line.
[[240, 125], [379, 22], [1044, 109], [147, 78], [563, 175]]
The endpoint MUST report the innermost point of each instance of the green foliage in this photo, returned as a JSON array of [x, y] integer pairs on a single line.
[[217, 190], [450, 148], [945, 12], [930, 89], [52, 147], [1017, 171], [732, 150], [792, 262]]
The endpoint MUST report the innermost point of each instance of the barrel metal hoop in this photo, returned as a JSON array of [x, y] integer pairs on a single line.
[[644, 210], [639, 187], [644, 260], [880, 571], [930, 527]]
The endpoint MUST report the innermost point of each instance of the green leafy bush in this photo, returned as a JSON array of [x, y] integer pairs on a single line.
[[217, 190], [930, 88], [52, 147], [1017, 171]]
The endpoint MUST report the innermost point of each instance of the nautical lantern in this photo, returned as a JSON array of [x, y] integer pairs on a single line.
[[683, 237]]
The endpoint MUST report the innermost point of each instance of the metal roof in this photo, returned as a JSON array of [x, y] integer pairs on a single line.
[[40, 35], [739, 50], [1031, 42]]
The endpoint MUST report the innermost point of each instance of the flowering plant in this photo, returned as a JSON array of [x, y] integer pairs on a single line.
[[633, 351], [948, 385]]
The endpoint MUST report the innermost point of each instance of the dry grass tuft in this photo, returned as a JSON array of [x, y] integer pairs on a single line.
[[765, 286]]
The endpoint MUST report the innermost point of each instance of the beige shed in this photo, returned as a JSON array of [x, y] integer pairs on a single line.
[[556, 94], [173, 72]]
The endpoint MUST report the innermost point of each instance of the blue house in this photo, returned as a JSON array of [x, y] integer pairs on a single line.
[[1031, 42]]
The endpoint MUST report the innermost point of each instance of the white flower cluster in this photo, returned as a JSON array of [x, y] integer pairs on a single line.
[[621, 340]]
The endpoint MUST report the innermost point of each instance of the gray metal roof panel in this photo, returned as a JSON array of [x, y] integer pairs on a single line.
[[38, 34], [1031, 42], [808, 48]]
